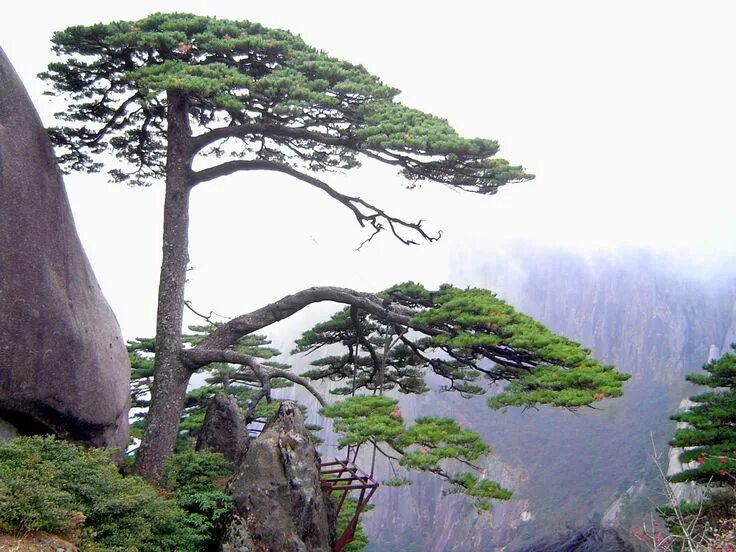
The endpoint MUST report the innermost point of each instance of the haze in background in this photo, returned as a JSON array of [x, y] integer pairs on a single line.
[[624, 112]]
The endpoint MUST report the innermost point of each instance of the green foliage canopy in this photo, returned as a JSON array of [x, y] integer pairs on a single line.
[[466, 336], [429, 444], [279, 99]]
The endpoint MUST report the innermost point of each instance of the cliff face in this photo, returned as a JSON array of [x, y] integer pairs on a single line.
[[571, 468], [63, 363], [632, 312], [730, 336]]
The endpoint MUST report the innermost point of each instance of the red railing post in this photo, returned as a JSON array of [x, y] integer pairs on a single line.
[[333, 481]]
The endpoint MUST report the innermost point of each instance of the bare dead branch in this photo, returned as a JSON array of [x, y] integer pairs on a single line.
[[205, 317]]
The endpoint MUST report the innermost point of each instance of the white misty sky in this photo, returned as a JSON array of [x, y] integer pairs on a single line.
[[624, 110]]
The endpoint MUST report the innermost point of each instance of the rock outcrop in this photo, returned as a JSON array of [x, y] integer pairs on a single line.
[[63, 364], [223, 429], [688, 491], [280, 505]]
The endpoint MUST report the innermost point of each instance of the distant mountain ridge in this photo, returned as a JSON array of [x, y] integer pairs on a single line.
[[570, 469], [632, 311]]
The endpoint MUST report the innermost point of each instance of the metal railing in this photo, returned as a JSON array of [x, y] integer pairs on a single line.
[[343, 477]]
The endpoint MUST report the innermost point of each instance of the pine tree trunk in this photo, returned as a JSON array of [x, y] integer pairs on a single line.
[[170, 375]]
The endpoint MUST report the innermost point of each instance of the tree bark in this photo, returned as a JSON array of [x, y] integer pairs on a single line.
[[170, 375], [231, 331]]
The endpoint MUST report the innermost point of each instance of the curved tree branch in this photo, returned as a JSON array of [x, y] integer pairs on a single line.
[[197, 357], [509, 364], [365, 213], [227, 334], [466, 172], [121, 109]]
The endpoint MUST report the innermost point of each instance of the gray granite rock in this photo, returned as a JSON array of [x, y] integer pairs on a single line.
[[280, 505], [63, 363], [223, 429]]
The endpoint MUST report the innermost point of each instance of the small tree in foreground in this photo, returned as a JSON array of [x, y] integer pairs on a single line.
[[708, 440], [185, 99]]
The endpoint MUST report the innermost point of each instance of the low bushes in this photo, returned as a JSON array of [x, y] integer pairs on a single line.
[[54, 486]]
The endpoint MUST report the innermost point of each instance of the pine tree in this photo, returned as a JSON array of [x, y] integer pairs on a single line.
[[710, 435], [470, 337], [174, 91]]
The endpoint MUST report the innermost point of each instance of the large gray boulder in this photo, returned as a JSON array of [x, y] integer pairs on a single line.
[[223, 429], [63, 363], [280, 506]]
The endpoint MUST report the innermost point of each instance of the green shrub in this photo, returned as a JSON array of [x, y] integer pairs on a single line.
[[45, 484], [360, 541], [195, 471], [195, 479]]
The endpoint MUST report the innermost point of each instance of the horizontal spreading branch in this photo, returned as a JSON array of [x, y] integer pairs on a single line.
[[365, 213], [384, 453], [248, 129], [509, 364], [197, 357], [417, 162], [228, 333]]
